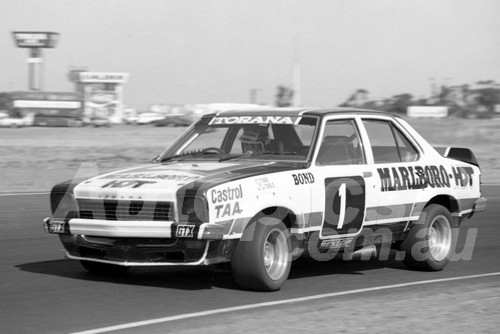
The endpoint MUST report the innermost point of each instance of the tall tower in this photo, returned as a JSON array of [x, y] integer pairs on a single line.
[[35, 42]]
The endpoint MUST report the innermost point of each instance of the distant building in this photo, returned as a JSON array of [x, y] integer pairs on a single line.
[[102, 92], [48, 108]]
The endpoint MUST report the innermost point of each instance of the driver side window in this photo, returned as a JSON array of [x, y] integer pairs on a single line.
[[340, 144]]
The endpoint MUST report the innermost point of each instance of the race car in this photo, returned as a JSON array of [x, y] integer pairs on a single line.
[[253, 190]]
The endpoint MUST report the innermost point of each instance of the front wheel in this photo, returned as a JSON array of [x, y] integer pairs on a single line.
[[262, 258], [429, 242]]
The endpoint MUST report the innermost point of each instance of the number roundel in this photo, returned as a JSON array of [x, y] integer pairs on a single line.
[[344, 205]]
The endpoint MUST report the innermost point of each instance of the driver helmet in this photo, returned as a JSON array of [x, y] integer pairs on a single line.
[[254, 138]]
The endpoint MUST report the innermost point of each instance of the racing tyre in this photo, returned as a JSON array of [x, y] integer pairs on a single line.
[[429, 242], [262, 258], [99, 268]]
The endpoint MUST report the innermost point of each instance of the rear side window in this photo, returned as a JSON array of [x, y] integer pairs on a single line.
[[407, 152], [388, 143]]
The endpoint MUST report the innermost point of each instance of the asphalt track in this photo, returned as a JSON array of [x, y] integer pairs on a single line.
[[41, 292]]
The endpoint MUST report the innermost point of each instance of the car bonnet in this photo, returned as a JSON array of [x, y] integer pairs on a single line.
[[163, 181]]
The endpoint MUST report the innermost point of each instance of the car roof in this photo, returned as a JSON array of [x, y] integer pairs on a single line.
[[319, 112]]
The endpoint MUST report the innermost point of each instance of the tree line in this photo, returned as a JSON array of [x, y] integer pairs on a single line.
[[479, 100]]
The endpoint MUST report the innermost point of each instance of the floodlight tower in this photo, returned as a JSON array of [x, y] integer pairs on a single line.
[[35, 42]]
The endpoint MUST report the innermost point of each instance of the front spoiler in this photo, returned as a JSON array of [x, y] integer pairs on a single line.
[[136, 229], [202, 261]]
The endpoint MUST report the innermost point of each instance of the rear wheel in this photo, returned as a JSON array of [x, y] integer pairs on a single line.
[[262, 258], [99, 268], [429, 242]]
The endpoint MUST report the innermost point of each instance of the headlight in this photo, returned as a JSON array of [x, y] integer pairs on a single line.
[[63, 206], [194, 210]]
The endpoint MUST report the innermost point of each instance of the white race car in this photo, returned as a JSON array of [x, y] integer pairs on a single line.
[[12, 122], [258, 188]]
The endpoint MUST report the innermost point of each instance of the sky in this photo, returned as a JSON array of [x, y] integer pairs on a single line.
[[216, 51]]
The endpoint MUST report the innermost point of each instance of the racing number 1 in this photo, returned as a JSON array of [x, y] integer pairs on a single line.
[[342, 194], [344, 205]]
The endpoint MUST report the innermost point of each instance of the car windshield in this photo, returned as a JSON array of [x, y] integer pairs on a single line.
[[245, 137]]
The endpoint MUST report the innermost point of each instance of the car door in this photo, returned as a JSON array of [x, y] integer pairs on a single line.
[[345, 184], [396, 159]]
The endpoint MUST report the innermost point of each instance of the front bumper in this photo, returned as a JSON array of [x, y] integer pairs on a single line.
[[142, 243], [127, 244], [136, 229]]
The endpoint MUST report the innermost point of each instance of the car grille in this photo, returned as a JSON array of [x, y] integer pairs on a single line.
[[125, 210]]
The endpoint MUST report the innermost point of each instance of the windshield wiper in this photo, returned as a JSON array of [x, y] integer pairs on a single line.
[[236, 156], [247, 154], [276, 153], [172, 157], [251, 154], [209, 151]]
